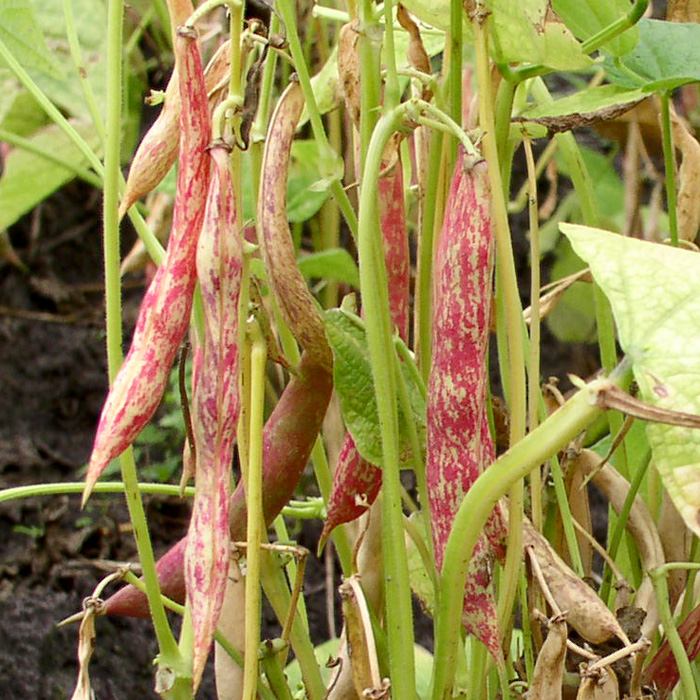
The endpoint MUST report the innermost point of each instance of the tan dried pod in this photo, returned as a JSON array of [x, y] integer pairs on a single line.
[[601, 686], [676, 540], [415, 53], [229, 675], [349, 69], [688, 206], [640, 525], [159, 147], [584, 610], [549, 668], [581, 513]]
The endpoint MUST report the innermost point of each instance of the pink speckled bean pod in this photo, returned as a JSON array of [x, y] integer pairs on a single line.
[[215, 409], [459, 444], [165, 310]]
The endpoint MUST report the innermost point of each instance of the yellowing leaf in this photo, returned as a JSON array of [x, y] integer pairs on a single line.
[[654, 291]]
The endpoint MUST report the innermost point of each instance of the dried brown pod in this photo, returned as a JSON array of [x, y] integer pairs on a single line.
[[349, 69], [549, 668], [584, 610]]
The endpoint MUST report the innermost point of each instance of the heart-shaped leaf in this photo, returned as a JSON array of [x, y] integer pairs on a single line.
[[654, 291], [352, 372], [667, 55]]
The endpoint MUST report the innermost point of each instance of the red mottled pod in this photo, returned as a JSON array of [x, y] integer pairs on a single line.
[[158, 149], [459, 444], [356, 481], [215, 408], [289, 436], [165, 310]]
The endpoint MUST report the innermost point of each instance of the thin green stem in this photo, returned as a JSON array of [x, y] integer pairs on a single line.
[[616, 28], [277, 592], [454, 77], [399, 621], [423, 322], [287, 10], [669, 165], [77, 487], [533, 372], [658, 577], [77, 56], [255, 521], [534, 449], [507, 289], [392, 92]]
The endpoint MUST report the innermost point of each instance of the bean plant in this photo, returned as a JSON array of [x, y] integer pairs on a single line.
[[350, 180]]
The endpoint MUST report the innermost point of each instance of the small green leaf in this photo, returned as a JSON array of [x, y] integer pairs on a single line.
[[654, 291], [28, 178], [573, 319], [667, 55], [352, 374], [335, 264], [305, 194], [21, 34], [585, 18]]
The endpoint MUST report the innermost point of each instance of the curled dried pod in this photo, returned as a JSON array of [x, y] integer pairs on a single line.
[[640, 525], [296, 303], [349, 69], [549, 668], [584, 609]]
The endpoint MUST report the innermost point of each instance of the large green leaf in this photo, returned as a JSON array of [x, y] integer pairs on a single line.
[[654, 291], [667, 55], [21, 34], [586, 18], [520, 32], [352, 374], [29, 178]]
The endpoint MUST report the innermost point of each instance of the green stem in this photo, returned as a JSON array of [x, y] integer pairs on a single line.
[[392, 93], [368, 47], [77, 57], [616, 28], [534, 449], [507, 289], [277, 592], [169, 654], [287, 10], [77, 487], [454, 77], [255, 522], [669, 165], [689, 691], [399, 620], [423, 294]]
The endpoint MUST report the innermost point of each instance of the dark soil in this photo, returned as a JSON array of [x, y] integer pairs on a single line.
[[52, 386]]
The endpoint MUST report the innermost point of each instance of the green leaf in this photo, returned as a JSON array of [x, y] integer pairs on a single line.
[[352, 374], [28, 178], [519, 29], [584, 108], [335, 264], [585, 18], [667, 55], [654, 291], [305, 196], [573, 319], [21, 34]]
